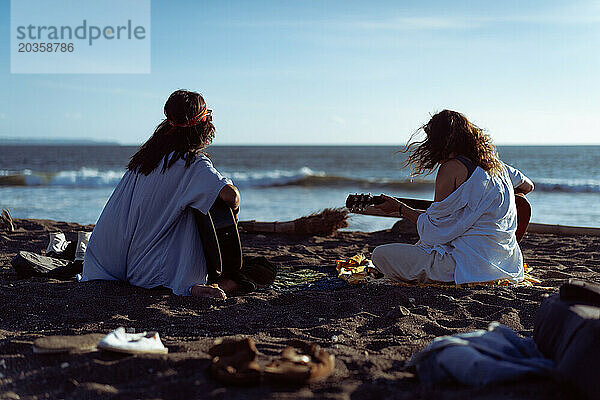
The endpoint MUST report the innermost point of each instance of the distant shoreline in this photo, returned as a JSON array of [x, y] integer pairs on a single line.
[[55, 142]]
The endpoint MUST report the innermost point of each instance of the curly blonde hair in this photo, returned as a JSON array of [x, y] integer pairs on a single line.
[[450, 132]]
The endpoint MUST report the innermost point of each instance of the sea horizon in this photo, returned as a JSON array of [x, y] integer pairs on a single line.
[[10, 141]]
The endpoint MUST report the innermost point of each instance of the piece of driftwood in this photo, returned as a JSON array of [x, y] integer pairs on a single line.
[[6, 221], [562, 229], [406, 227], [325, 222]]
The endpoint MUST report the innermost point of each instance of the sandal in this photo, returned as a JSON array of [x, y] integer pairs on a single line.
[[234, 362], [310, 364], [259, 270], [256, 273], [67, 344]]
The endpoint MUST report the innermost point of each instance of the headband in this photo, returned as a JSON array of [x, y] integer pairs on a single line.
[[201, 117]]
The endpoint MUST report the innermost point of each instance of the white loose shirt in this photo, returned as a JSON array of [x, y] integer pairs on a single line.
[[147, 234], [476, 225]]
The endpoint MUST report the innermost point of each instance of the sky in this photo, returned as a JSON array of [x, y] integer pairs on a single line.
[[334, 72]]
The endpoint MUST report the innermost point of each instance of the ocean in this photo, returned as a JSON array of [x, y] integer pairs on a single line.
[[279, 183]]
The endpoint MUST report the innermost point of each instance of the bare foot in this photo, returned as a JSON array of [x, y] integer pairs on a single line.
[[210, 291]]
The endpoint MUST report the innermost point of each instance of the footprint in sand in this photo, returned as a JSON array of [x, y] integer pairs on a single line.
[[511, 318], [433, 328], [553, 274], [584, 269], [456, 323], [324, 333], [478, 309]]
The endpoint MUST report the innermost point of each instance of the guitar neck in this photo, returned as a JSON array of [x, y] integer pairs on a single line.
[[424, 204], [416, 203], [413, 203]]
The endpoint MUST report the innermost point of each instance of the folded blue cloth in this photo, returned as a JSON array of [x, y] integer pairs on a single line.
[[481, 357]]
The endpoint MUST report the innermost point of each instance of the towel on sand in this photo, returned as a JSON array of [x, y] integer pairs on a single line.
[[481, 357]]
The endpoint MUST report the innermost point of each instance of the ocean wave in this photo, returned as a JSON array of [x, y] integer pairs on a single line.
[[84, 177], [340, 181], [270, 178], [567, 186], [305, 177], [302, 177]]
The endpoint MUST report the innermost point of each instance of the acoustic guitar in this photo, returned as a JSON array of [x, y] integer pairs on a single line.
[[220, 239], [358, 203]]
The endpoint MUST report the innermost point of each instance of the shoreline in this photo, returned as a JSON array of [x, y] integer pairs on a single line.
[[372, 329]]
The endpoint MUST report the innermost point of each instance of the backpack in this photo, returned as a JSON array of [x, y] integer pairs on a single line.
[[567, 330]]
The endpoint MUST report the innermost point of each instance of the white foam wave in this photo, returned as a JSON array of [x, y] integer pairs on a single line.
[[270, 178], [86, 177], [90, 177]]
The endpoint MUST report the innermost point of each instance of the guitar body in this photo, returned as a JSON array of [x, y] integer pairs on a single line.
[[220, 240], [357, 203]]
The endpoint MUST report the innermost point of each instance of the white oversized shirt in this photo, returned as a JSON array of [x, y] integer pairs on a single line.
[[476, 225], [147, 234]]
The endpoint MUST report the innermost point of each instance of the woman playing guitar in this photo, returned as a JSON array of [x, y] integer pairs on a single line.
[[468, 233]]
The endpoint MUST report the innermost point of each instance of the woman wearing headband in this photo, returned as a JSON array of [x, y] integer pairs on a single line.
[[468, 233], [147, 234]]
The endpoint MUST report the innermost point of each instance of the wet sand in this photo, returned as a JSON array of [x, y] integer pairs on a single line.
[[372, 329]]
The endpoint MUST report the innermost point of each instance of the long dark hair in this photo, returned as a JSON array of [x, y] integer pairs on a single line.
[[450, 132], [186, 142]]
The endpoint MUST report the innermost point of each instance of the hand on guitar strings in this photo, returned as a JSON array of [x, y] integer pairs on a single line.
[[389, 205]]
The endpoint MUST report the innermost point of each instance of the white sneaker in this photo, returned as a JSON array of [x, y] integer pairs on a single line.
[[82, 241], [58, 243], [133, 343]]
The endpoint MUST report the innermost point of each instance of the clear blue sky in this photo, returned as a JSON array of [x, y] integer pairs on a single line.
[[335, 72]]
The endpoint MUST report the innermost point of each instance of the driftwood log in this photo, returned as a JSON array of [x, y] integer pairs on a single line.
[[405, 226], [325, 222], [562, 229], [6, 221]]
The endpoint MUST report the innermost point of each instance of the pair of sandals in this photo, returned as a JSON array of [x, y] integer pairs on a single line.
[[234, 363]]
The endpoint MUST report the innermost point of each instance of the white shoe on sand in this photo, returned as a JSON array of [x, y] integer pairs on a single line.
[[82, 241], [57, 243], [133, 343]]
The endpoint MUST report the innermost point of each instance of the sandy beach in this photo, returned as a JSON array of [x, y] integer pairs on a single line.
[[130, 114], [372, 329]]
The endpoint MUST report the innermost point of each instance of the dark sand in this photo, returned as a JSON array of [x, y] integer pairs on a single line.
[[371, 329]]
